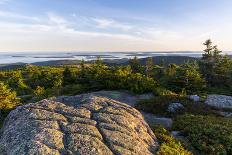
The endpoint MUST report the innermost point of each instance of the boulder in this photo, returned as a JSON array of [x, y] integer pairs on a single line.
[[83, 124], [195, 98], [219, 101], [174, 107]]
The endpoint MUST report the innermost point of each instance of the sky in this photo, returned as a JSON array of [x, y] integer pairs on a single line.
[[114, 25]]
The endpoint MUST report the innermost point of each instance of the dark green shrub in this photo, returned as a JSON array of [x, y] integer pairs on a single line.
[[208, 134], [159, 105], [73, 89]]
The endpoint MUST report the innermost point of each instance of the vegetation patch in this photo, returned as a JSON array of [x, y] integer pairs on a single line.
[[168, 144], [208, 134], [159, 106]]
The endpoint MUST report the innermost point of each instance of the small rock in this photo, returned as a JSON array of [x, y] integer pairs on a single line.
[[174, 107], [195, 98]]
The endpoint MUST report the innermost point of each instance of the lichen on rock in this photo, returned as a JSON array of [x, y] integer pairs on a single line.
[[83, 124]]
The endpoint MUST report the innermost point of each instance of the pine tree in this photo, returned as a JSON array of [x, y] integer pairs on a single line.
[[208, 51], [135, 65], [149, 66], [68, 76]]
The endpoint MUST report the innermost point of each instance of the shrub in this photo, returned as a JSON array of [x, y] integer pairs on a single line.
[[160, 91], [39, 91], [168, 144], [8, 99], [73, 89], [208, 134]]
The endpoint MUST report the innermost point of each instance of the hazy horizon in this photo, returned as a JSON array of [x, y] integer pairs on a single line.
[[122, 25]]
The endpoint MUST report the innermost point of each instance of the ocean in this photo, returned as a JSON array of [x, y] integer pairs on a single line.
[[31, 57]]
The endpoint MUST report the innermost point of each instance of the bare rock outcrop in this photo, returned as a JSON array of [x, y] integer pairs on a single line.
[[84, 124], [219, 101]]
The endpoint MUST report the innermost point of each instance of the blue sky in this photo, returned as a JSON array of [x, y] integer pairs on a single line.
[[114, 25]]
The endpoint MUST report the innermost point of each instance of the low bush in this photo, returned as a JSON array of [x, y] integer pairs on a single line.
[[168, 144], [73, 89], [208, 134], [160, 91]]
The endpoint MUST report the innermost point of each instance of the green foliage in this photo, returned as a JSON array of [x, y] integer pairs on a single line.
[[168, 144], [39, 92], [185, 78], [8, 99], [69, 76], [149, 67], [209, 134], [73, 89], [216, 68], [211, 53], [16, 81], [161, 91], [135, 65], [139, 83]]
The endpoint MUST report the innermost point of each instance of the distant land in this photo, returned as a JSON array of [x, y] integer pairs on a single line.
[[16, 60], [32, 57]]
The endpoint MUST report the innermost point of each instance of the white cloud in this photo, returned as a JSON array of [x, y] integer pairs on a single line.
[[53, 18], [109, 23], [56, 33], [4, 1], [11, 15]]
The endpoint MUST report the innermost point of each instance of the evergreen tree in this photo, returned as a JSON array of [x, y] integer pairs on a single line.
[[208, 51], [187, 78], [135, 65], [215, 67], [149, 66], [68, 77]]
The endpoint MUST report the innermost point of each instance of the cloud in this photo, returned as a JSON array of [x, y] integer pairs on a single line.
[[55, 32], [12, 15], [3, 1], [52, 32], [109, 23], [53, 18]]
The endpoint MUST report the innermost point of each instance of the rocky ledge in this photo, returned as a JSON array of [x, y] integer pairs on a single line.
[[84, 124]]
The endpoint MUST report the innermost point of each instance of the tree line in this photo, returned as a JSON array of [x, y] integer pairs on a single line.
[[212, 73]]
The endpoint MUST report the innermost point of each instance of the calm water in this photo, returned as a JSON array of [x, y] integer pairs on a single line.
[[6, 58]]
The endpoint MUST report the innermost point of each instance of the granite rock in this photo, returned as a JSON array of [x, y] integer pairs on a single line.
[[83, 124]]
